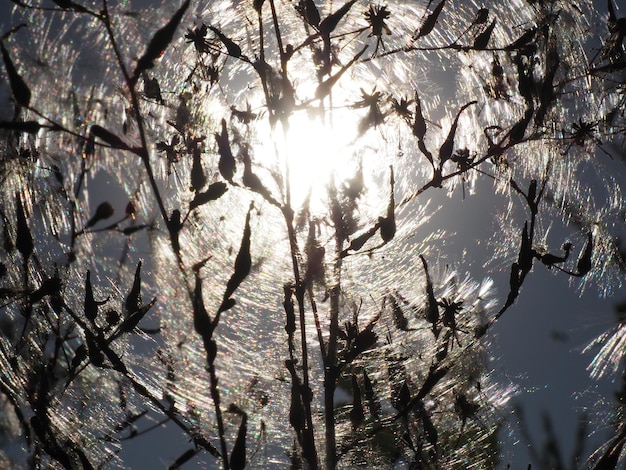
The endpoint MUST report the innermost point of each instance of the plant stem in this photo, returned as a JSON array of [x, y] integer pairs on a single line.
[[119, 366], [331, 369], [300, 293], [215, 395], [144, 152]]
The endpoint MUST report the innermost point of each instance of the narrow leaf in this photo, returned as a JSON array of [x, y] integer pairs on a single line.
[[252, 181], [290, 315], [482, 40], [329, 23], [399, 319], [108, 137], [430, 21], [174, 226], [518, 130], [435, 374], [133, 299], [523, 41], [583, 265], [326, 86], [159, 42], [370, 395], [198, 178], [402, 397], [612, 19], [525, 257], [419, 125], [238, 454], [201, 321], [96, 356], [30, 127], [19, 89], [357, 243], [357, 415], [24, 239], [231, 47], [430, 431], [431, 309], [226, 164], [309, 12], [514, 283], [314, 252], [90, 304], [213, 192], [69, 5], [387, 224], [445, 151], [7, 241], [243, 263], [130, 323], [326, 27], [297, 415]]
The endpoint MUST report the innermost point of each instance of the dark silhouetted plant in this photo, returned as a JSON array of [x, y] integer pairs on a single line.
[[279, 167]]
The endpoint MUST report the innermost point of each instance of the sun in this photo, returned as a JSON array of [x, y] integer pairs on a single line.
[[313, 149]]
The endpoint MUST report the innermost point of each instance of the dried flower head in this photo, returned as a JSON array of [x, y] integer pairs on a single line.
[[376, 16], [197, 37]]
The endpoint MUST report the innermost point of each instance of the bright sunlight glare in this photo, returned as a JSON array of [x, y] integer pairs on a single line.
[[313, 149]]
